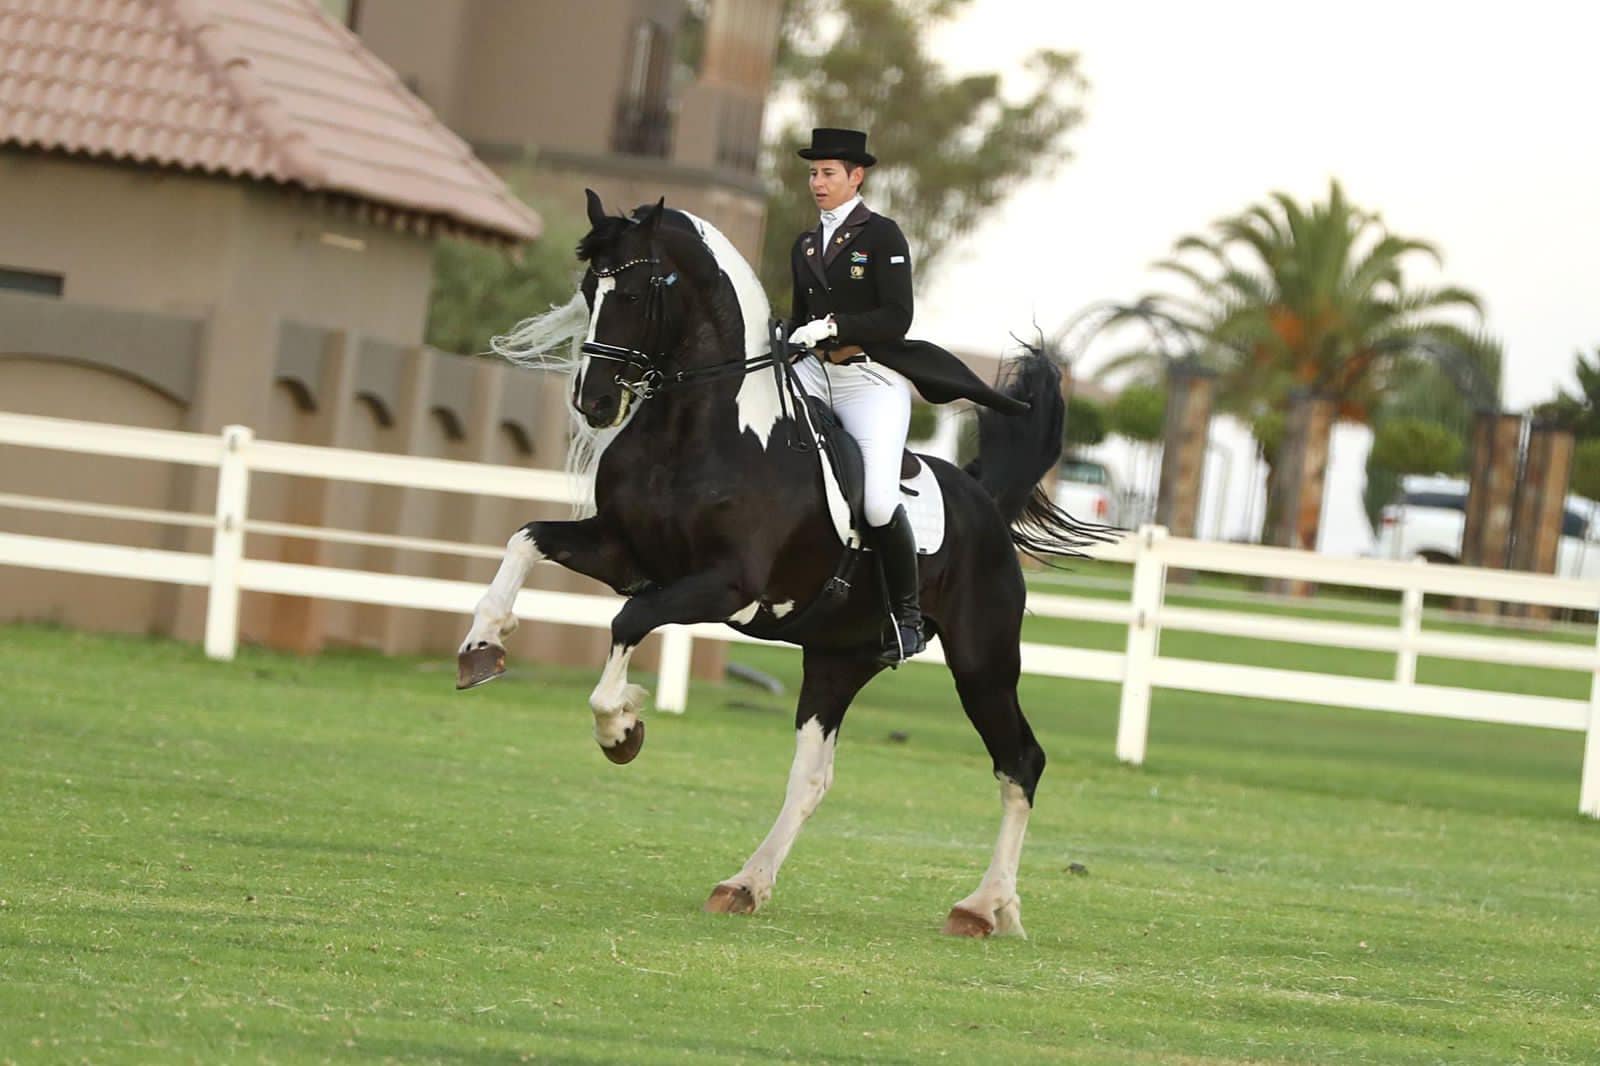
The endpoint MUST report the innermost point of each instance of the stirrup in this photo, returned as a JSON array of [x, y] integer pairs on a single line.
[[898, 649]]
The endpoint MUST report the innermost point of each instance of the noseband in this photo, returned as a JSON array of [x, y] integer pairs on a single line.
[[650, 374]]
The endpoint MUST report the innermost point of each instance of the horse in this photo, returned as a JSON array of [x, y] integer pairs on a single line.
[[709, 506]]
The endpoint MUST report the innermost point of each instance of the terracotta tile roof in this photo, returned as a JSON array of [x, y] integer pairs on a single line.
[[271, 90]]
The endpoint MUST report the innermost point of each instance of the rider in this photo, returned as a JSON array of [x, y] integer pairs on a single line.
[[852, 294]]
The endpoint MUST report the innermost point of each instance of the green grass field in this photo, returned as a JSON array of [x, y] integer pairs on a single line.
[[340, 859]]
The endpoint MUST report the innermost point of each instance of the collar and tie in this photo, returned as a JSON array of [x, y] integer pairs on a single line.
[[832, 220]]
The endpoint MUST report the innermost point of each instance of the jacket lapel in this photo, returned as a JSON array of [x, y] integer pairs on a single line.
[[848, 231], [811, 252]]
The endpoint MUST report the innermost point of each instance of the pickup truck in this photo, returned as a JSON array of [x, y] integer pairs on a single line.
[[1086, 489]]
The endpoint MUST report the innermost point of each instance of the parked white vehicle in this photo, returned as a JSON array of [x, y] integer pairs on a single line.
[[1430, 515], [1086, 489]]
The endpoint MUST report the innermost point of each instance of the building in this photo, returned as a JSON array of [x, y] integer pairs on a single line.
[[635, 98], [225, 211]]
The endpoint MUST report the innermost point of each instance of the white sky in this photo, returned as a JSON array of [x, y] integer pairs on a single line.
[[1472, 125]]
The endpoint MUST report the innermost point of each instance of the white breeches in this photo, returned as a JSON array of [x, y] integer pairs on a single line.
[[874, 404]]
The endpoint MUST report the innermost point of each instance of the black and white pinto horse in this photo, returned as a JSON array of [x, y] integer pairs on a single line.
[[705, 511]]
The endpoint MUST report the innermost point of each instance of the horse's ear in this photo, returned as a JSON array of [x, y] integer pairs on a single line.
[[597, 214], [652, 217]]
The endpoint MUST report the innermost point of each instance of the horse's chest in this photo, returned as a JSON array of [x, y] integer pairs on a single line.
[[669, 508]]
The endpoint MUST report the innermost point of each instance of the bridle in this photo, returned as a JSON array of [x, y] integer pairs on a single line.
[[647, 367]]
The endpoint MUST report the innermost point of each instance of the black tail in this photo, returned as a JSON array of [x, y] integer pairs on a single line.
[[1016, 451]]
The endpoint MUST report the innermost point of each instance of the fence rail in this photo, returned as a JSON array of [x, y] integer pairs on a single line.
[[1140, 668]]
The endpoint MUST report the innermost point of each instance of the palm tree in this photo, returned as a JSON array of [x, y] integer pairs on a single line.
[[1290, 300]]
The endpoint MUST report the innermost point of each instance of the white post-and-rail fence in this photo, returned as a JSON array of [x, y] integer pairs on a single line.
[[1139, 669]]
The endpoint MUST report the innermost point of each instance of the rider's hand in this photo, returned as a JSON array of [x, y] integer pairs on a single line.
[[814, 332]]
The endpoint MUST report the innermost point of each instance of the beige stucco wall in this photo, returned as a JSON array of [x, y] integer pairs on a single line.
[[66, 390]]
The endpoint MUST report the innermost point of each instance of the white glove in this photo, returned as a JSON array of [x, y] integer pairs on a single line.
[[814, 332]]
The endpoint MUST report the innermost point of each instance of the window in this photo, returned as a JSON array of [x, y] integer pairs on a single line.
[[1448, 501], [644, 119], [36, 282], [1573, 524], [1083, 473]]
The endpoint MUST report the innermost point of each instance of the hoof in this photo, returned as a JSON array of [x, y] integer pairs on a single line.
[[730, 899], [479, 665], [626, 750], [963, 922]]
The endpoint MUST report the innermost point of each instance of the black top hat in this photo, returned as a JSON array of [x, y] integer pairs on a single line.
[[849, 145]]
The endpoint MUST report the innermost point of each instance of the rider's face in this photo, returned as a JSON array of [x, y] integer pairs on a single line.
[[834, 181]]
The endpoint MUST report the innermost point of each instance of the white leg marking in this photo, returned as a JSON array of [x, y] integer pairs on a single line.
[[996, 897], [809, 780], [615, 703], [744, 614], [781, 609], [492, 618]]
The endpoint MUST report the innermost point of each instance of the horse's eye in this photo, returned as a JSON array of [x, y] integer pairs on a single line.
[[628, 297]]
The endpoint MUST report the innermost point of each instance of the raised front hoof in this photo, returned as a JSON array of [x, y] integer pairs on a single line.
[[963, 922], [479, 665], [626, 750], [730, 899]]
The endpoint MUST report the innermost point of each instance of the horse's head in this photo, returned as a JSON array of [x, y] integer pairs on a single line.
[[635, 316]]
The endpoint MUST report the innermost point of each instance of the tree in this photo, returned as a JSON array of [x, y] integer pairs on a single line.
[[1586, 469], [951, 147], [1086, 423], [1316, 297], [480, 291], [1139, 413], [1425, 392], [1413, 446], [1579, 412]]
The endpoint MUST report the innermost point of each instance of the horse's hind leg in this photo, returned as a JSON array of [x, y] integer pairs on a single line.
[[831, 682], [989, 696]]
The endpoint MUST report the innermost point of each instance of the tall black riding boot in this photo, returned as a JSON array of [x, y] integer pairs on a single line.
[[896, 546]]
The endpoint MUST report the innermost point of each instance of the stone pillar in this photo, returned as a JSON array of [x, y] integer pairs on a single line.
[[233, 380], [1190, 392], [1492, 483], [393, 509], [298, 623], [1540, 507]]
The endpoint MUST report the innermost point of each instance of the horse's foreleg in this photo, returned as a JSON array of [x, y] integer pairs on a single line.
[[710, 597], [581, 546], [831, 682]]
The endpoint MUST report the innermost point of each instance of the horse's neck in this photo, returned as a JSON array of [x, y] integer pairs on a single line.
[[715, 412]]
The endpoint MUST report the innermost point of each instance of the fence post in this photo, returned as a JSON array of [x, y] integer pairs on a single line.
[[1589, 791], [1405, 663], [1144, 631], [672, 682], [227, 543]]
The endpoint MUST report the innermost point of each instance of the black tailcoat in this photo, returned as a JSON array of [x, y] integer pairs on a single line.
[[863, 279]]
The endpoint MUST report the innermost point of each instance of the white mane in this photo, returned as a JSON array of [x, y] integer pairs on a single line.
[[553, 342]]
